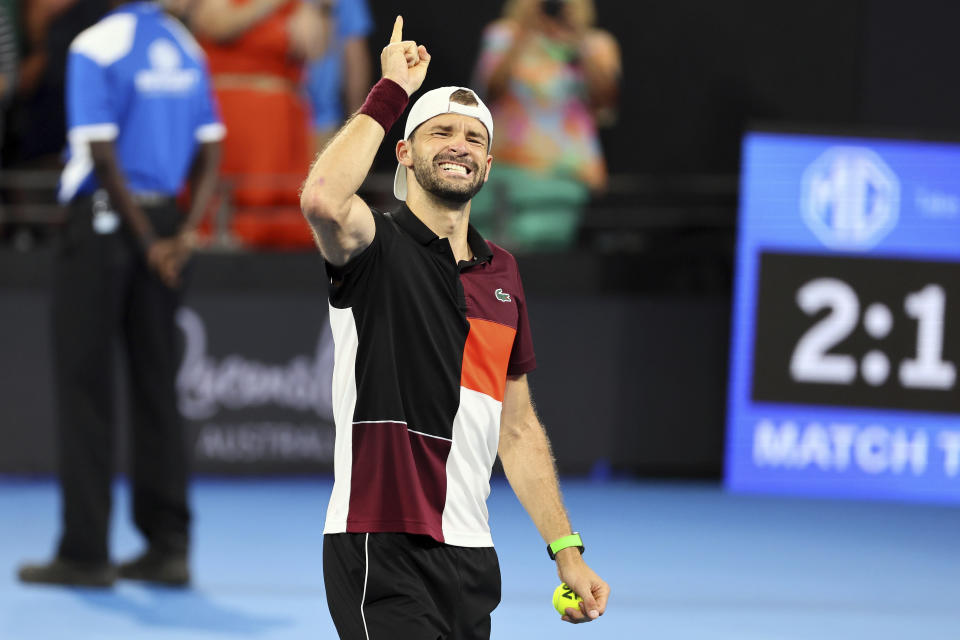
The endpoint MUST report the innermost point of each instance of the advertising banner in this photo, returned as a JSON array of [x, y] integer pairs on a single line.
[[254, 394]]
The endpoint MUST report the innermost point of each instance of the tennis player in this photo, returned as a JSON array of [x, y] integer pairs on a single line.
[[432, 353]]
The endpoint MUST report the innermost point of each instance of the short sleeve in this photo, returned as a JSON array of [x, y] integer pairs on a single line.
[[209, 126], [522, 358], [91, 108], [351, 280], [353, 19]]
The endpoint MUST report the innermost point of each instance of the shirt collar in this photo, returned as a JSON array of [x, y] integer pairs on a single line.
[[420, 232]]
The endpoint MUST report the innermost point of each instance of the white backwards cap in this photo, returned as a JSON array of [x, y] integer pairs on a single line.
[[436, 103]]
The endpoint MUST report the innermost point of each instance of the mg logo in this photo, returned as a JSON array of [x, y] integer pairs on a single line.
[[851, 198]]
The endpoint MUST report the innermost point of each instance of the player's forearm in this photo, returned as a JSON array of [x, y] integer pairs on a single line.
[[341, 168], [529, 466]]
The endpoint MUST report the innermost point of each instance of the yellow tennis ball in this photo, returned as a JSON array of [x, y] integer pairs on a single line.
[[563, 597]]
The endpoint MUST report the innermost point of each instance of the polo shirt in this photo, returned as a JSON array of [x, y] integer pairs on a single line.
[[423, 348], [138, 78]]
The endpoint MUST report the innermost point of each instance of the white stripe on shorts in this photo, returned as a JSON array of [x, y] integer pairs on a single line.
[[366, 572]]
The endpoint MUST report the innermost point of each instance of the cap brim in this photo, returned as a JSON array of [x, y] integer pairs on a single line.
[[400, 183]]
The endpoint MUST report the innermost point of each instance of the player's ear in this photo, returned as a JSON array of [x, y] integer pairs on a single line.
[[404, 153], [489, 165]]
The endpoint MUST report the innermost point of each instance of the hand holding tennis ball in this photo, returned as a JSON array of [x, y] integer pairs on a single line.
[[579, 580], [563, 597]]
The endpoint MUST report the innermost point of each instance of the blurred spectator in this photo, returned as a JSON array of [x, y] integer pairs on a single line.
[[8, 75], [256, 50], [11, 8], [8, 64], [549, 78], [141, 120], [38, 128], [342, 77]]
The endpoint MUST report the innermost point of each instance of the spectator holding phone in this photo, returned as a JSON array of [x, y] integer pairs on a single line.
[[550, 79]]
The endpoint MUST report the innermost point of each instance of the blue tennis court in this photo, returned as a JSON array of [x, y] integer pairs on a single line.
[[685, 561]]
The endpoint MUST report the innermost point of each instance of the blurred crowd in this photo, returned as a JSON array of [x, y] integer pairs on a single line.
[[285, 73]]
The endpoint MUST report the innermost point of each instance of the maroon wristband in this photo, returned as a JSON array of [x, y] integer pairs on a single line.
[[385, 103]]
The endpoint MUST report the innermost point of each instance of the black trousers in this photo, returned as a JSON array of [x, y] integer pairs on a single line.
[[104, 291], [397, 586]]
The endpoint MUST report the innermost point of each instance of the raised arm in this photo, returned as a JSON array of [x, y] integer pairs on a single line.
[[600, 56], [341, 221], [528, 463], [497, 67]]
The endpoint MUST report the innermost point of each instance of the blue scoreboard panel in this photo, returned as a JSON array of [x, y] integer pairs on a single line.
[[846, 327]]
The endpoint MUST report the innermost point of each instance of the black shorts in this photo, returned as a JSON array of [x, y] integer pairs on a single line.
[[398, 586]]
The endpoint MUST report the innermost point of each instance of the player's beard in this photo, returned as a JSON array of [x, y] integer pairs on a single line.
[[429, 175]]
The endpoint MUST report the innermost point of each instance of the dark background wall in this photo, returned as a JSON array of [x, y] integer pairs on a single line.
[[696, 72], [627, 377]]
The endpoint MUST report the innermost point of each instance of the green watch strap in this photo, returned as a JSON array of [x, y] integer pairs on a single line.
[[573, 540]]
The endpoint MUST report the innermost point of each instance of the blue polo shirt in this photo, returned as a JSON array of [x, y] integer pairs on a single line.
[[324, 76], [137, 78]]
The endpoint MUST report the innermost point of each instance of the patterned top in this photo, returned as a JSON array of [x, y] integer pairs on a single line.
[[545, 113]]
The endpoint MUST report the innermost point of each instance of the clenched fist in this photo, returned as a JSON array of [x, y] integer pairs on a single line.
[[403, 61]]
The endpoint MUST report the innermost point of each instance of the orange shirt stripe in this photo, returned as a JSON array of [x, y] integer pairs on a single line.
[[486, 356]]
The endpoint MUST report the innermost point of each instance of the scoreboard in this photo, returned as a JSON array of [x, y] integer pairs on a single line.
[[846, 325]]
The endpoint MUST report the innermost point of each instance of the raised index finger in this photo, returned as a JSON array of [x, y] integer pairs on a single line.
[[397, 34]]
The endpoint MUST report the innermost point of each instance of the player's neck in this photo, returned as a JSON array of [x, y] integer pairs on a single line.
[[447, 220]]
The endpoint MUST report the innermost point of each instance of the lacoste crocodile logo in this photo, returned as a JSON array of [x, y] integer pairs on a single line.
[[501, 296]]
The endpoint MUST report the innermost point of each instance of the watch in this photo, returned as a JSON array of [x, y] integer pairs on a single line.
[[573, 540]]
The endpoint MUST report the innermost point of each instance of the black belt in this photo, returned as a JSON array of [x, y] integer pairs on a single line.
[[143, 198], [152, 199]]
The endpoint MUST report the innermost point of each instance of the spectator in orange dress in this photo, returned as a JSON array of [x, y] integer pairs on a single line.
[[256, 50]]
